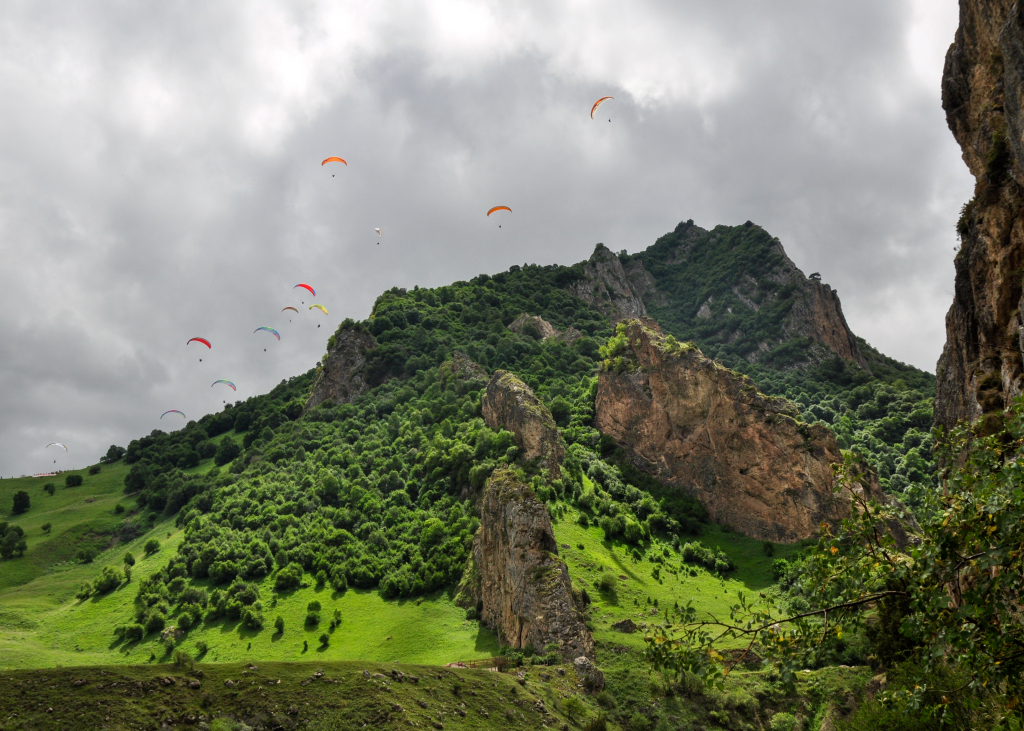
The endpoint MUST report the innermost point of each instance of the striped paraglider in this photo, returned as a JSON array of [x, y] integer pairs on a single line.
[[227, 383], [172, 411]]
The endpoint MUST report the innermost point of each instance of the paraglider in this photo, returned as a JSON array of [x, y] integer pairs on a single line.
[[598, 103], [293, 309], [56, 444], [229, 383], [319, 307], [333, 159], [172, 411], [270, 330], [498, 208], [204, 341], [306, 287]]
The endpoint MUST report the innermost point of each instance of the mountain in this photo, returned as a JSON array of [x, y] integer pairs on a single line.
[[981, 367], [509, 458]]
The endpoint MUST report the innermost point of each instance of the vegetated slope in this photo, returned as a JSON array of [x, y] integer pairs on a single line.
[[735, 293], [375, 495]]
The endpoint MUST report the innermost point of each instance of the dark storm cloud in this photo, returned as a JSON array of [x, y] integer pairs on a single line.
[[160, 177]]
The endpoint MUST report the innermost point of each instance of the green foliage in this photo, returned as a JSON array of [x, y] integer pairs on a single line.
[[94, 470], [114, 454], [129, 559], [46, 527], [279, 625], [72, 481], [783, 721], [50, 488], [151, 547], [108, 580], [21, 502]]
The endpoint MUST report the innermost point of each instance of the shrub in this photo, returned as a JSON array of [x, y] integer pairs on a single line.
[[325, 639], [86, 555], [314, 606], [21, 502], [134, 632], [583, 520], [72, 481], [118, 509], [50, 487], [201, 648], [114, 454], [46, 527], [783, 722], [84, 591], [94, 470], [290, 577], [155, 622], [606, 583], [312, 619], [108, 580], [151, 547], [768, 548], [279, 624], [129, 559], [12, 541], [182, 659]]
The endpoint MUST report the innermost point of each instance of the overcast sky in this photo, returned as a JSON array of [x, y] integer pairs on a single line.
[[160, 174]]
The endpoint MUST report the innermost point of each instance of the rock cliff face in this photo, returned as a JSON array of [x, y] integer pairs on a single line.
[[538, 328], [516, 576], [980, 369], [746, 284], [509, 403], [343, 375], [707, 430], [606, 286]]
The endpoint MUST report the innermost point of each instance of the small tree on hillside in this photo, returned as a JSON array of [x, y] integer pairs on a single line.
[[151, 547], [72, 481], [50, 487], [21, 502]]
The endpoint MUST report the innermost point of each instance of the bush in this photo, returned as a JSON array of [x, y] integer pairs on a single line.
[[279, 624], [84, 591], [134, 632], [583, 520], [606, 583], [108, 580], [182, 659], [312, 619], [290, 577], [201, 648], [114, 454], [768, 548], [129, 559], [72, 481], [21, 502], [12, 541], [155, 622], [86, 555], [94, 470], [151, 547], [118, 509], [45, 527], [783, 722], [50, 487], [325, 639]]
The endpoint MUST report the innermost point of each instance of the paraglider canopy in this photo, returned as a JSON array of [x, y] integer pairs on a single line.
[[306, 287], [333, 159], [293, 309], [270, 330], [598, 103], [378, 232], [56, 444], [319, 307], [172, 411], [204, 341], [499, 208], [229, 383]]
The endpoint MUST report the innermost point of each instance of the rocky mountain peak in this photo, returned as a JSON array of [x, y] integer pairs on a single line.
[[606, 286], [510, 404], [343, 373]]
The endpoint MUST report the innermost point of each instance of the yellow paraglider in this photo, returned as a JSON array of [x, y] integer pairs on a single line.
[[319, 307]]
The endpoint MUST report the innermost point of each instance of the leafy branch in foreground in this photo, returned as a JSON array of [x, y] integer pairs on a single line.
[[956, 583]]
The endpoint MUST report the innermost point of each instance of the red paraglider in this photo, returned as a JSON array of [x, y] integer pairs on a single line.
[[204, 341]]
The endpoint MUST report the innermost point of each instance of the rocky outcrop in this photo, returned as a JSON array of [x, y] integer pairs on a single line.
[[463, 372], [508, 403], [606, 286], [516, 578], [538, 328], [980, 370], [343, 374], [707, 430]]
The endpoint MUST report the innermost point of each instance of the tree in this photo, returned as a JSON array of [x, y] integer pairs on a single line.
[[279, 624], [227, 450], [50, 488], [325, 639], [114, 454], [574, 708], [952, 594], [21, 502], [45, 527], [129, 559], [136, 479], [94, 469], [12, 541], [151, 547], [72, 480]]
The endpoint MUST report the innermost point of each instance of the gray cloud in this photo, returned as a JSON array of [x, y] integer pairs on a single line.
[[160, 177]]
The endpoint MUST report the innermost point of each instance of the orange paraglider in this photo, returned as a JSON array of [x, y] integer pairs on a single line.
[[333, 159], [499, 208], [598, 103]]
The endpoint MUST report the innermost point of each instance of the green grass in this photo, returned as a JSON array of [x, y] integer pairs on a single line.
[[282, 695], [710, 593], [79, 516], [43, 625]]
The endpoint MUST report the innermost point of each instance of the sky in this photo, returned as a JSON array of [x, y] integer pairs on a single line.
[[160, 174]]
